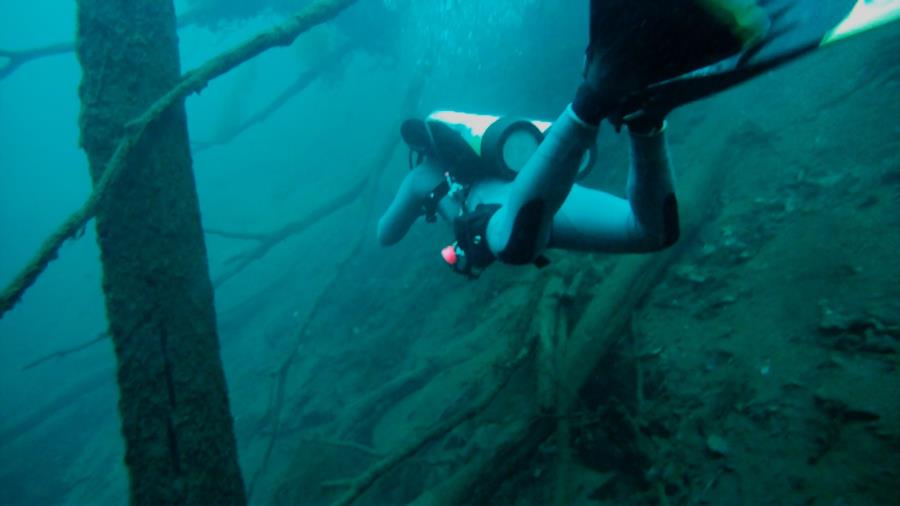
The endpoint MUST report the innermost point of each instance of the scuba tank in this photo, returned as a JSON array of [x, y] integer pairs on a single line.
[[480, 146]]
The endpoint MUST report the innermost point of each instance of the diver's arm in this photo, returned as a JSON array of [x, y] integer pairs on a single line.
[[407, 205], [592, 220], [519, 230]]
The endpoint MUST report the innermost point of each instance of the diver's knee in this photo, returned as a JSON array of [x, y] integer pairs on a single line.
[[671, 222], [669, 239], [523, 245], [665, 231]]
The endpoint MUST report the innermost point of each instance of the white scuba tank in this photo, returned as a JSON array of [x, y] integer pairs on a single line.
[[503, 143]]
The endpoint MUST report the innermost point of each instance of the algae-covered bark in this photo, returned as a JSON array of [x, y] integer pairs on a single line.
[[173, 403]]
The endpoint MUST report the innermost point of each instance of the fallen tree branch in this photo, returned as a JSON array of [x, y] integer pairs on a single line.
[[192, 82], [521, 439], [368, 451], [303, 80], [384, 400], [546, 326], [367, 190], [349, 445], [243, 236], [276, 404], [243, 260], [360, 414], [605, 320], [71, 396], [202, 15], [18, 58], [476, 482], [102, 336], [506, 369]]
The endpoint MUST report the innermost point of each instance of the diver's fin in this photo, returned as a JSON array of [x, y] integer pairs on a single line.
[[792, 34], [802, 23], [648, 41]]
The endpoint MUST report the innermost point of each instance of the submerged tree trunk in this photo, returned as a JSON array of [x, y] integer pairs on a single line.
[[180, 446]]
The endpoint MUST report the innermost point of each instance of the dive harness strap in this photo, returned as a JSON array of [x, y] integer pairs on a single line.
[[471, 231], [434, 197]]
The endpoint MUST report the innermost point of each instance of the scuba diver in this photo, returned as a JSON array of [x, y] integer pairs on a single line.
[[504, 208], [508, 185]]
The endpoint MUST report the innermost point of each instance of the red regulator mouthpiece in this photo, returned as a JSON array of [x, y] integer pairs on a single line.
[[449, 254]]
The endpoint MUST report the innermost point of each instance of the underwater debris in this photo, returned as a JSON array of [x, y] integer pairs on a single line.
[[717, 445], [715, 306], [856, 332], [693, 275], [837, 415], [841, 411]]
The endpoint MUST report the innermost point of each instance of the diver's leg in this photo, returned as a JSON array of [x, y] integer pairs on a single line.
[[651, 187], [592, 220], [519, 230]]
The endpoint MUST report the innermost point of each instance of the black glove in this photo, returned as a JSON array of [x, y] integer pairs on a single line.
[[643, 111]]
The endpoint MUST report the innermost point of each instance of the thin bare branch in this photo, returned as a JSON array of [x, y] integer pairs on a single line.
[[362, 483], [301, 83], [102, 336], [192, 82], [16, 59], [243, 260], [242, 236]]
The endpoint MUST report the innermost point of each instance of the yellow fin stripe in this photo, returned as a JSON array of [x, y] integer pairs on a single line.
[[745, 18], [866, 14]]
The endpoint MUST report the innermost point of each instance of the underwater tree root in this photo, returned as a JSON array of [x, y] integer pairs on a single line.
[[505, 370], [477, 482], [499, 375], [361, 413], [507, 457], [606, 319], [276, 404], [367, 190], [192, 82], [545, 326]]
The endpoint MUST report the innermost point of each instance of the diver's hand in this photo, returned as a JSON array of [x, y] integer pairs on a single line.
[[643, 122], [602, 90], [641, 111]]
